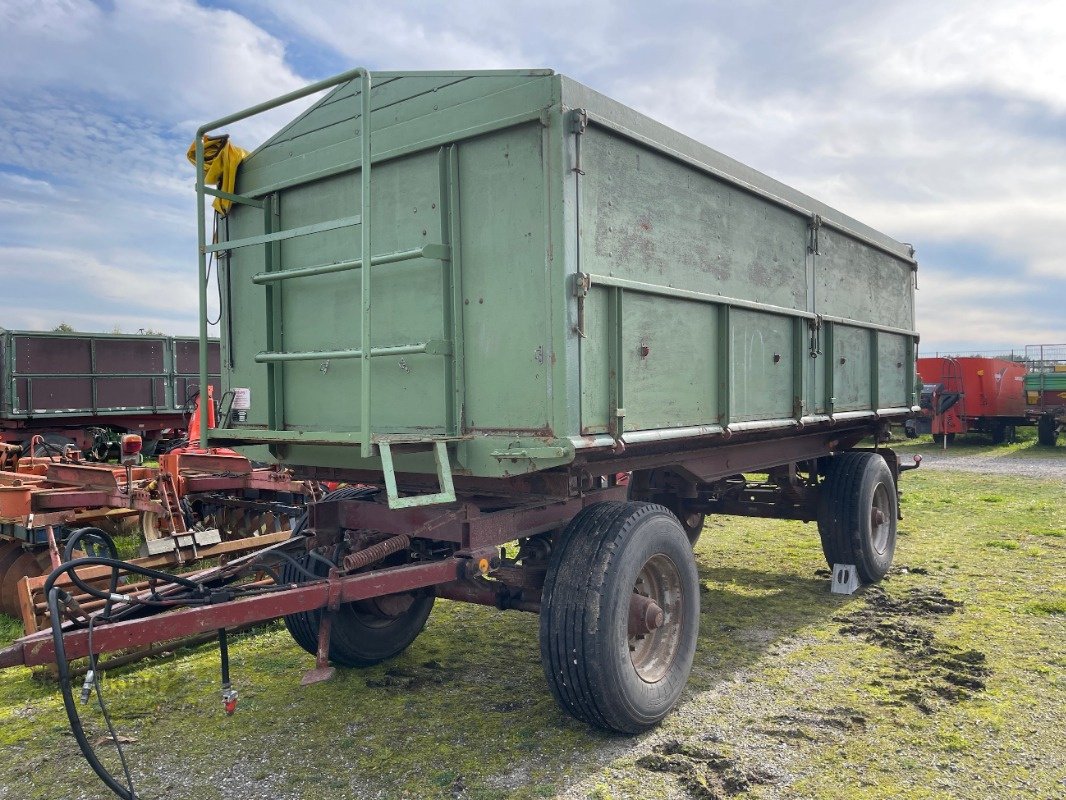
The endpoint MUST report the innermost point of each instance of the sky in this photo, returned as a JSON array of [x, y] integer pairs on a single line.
[[942, 124]]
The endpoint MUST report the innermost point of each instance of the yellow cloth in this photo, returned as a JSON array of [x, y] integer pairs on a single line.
[[221, 159]]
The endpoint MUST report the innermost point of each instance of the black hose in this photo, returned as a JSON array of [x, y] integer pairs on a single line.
[[71, 567], [90, 533], [63, 667]]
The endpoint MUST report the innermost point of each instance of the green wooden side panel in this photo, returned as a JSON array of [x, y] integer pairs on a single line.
[[857, 282], [892, 371], [672, 382], [851, 368], [761, 385], [594, 358], [647, 217], [509, 341], [409, 390]]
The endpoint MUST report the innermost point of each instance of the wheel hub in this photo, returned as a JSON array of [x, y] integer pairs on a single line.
[[880, 523], [655, 618]]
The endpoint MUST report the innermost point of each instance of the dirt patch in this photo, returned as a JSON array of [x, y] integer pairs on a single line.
[[428, 673], [931, 672], [704, 773], [813, 726]]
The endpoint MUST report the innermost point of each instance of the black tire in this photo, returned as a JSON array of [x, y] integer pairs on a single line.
[[938, 438], [692, 522], [362, 633], [584, 637], [1047, 430], [857, 512], [1002, 433]]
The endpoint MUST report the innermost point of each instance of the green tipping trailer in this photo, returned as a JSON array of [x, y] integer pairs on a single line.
[[553, 273], [1045, 390], [492, 295]]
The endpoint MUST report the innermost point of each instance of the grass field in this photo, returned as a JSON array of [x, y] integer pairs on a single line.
[[946, 681]]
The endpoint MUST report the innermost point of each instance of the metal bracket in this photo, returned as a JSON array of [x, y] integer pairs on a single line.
[[444, 475], [816, 335], [580, 120], [813, 246], [582, 284]]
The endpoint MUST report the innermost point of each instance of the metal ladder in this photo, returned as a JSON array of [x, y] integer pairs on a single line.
[[272, 277]]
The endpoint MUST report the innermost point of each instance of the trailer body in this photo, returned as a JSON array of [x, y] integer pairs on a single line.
[[64, 385], [1045, 390], [967, 394], [554, 275], [484, 296]]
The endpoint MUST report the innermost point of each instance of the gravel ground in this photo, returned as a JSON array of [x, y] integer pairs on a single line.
[[942, 684], [999, 461]]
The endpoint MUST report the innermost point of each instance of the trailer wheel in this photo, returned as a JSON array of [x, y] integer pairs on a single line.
[[17, 563], [598, 672], [363, 633], [1047, 430], [1002, 433], [692, 522], [857, 512], [938, 438]]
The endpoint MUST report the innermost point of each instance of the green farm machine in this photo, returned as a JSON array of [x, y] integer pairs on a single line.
[[479, 299], [1045, 390]]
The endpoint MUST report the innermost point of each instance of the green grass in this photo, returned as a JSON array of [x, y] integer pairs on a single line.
[[776, 686], [976, 444]]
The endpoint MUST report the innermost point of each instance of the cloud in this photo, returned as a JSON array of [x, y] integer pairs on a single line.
[[939, 123], [1008, 50], [173, 61], [97, 105]]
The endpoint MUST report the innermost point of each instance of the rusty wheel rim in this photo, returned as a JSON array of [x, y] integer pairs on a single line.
[[653, 654], [25, 566], [880, 519], [9, 553]]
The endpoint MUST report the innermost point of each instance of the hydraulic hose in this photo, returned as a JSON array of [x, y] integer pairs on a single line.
[[63, 667]]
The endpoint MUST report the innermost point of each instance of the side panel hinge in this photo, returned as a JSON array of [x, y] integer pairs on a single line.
[[815, 227]]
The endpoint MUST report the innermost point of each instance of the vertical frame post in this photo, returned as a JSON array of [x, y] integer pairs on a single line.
[[201, 232], [366, 448], [274, 310], [875, 370], [452, 287], [799, 367], [829, 353], [725, 367], [615, 357]]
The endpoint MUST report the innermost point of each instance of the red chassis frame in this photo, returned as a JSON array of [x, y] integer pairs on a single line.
[[478, 532], [479, 524]]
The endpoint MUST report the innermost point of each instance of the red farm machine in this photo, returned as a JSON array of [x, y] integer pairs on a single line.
[[962, 395], [198, 504]]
